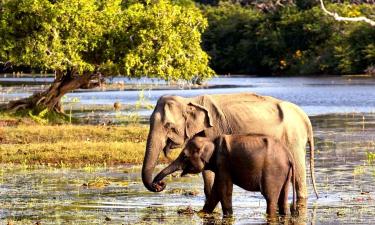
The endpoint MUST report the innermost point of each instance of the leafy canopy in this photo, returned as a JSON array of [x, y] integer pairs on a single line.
[[136, 38], [289, 41]]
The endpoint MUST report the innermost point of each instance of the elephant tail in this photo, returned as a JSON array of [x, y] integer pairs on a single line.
[[311, 144], [293, 176]]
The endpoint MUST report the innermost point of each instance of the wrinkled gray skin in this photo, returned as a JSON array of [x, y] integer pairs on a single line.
[[253, 162], [175, 120]]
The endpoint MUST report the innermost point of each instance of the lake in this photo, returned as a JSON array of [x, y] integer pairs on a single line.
[[317, 96], [342, 113]]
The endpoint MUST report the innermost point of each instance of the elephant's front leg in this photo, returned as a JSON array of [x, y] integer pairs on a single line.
[[226, 190], [213, 199], [208, 179]]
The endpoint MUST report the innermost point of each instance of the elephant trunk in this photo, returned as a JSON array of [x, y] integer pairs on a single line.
[[173, 167], [153, 149]]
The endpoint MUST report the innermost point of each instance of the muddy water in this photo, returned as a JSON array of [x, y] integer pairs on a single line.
[[345, 179]]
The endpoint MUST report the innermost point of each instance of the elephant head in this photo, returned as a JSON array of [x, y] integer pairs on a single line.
[[193, 159], [173, 121]]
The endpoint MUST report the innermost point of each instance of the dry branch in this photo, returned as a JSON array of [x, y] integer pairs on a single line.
[[341, 18]]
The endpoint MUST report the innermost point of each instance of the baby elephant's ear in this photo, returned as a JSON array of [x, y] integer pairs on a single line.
[[206, 151]]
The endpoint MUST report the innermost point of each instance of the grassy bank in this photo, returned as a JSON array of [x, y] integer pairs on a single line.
[[73, 145]]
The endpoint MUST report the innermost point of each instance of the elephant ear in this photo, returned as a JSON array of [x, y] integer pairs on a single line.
[[173, 118], [206, 151], [198, 118], [168, 115]]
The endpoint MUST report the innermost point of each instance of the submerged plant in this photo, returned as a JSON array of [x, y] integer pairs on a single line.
[[132, 115], [98, 182], [72, 102], [359, 170], [370, 157]]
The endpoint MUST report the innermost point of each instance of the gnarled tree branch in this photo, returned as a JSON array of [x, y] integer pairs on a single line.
[[341, 18]]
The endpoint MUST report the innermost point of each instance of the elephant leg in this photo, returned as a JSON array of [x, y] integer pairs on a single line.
[[213, 199], [208, 179], [226, 198], [283, 199], [271, 189], [300, 166], [271, 207], [301, 186]]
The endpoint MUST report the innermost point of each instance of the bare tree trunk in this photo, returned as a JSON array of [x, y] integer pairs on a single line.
[[51, 98]]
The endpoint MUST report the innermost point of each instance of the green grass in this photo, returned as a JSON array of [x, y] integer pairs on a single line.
[[73, 145], [34, 117]]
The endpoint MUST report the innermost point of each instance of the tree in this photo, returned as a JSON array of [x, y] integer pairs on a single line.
[[290, 40], [84, 41]]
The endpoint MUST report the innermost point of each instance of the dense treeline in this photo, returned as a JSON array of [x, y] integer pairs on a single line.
[[292, 37], [290, 40]]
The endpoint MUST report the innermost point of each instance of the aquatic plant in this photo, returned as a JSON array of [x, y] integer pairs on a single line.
[[131, 115], [370, 157]]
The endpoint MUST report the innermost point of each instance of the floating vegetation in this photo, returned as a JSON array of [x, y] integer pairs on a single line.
[[359, 170], [186, 211], [99, 182], [182, 191], [370, 157]]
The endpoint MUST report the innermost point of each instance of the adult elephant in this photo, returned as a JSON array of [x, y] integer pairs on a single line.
[[176, 120]]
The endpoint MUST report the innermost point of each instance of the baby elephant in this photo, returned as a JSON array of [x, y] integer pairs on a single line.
[[253, 162]]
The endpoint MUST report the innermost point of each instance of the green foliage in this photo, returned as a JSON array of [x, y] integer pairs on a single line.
[[134, 38], [230, 38], [40, 117], [291, 40], [162, 38], [166, 40], [51, 36], [45, 117]]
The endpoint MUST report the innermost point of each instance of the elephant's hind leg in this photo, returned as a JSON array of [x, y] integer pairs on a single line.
[[271, 207], [283, 198], [301, 187], [272, 188], [300, 166]]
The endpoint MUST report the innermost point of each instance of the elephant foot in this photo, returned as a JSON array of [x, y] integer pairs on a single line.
[[203, 213], [301, 203], [301, 208]]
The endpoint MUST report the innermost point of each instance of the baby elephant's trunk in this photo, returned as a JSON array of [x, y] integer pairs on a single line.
[[173, 167]]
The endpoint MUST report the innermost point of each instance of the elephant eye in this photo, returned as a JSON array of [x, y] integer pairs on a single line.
[[171, 127]]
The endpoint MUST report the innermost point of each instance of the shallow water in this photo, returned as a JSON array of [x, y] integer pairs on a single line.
[[345, 181], [345, 176]]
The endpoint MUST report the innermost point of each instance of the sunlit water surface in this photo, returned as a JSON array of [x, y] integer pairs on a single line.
[[345, 179], [341, 111], [318, 95]]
